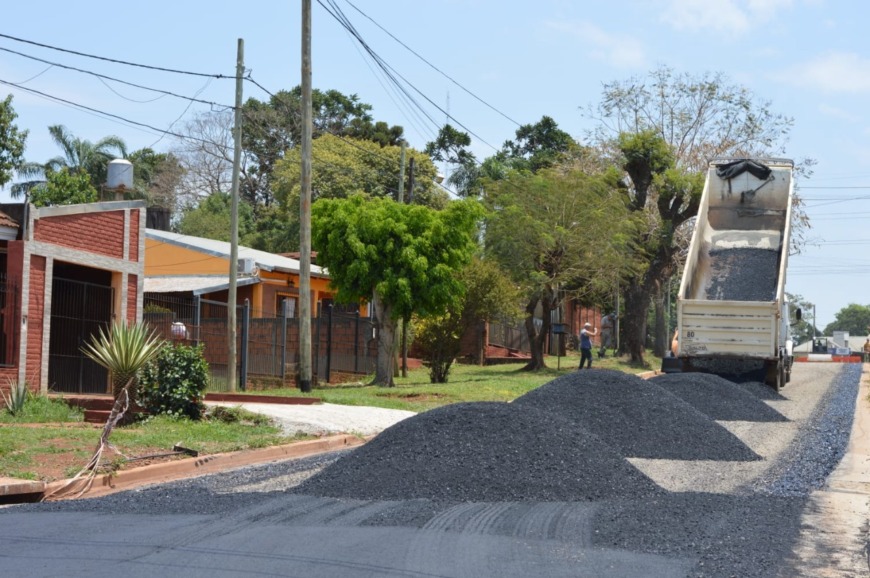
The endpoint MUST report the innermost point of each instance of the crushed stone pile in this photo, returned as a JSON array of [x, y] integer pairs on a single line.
[[743, 275], [485, 452], [637, 417], [717, 397]]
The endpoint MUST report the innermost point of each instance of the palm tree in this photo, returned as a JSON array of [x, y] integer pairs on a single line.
[[78, 154]]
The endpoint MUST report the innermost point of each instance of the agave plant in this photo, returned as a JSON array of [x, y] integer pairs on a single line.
[[123, 351], [17, 396]]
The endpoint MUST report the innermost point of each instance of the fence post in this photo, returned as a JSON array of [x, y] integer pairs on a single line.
[[285, 306], [317, 343], [356, 344], [328, 342], [197, 303], [243, 366]]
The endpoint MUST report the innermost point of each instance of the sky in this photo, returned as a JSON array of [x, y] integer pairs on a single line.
[[489, 65]]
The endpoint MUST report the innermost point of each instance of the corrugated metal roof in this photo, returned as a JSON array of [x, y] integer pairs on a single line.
[[197, 284], [263, 260]]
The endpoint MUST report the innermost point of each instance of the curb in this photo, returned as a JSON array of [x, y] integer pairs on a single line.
[[105, 484]]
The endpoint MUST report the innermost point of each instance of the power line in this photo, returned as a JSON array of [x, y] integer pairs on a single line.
[[103, 76], [432, 66], [114, 60]]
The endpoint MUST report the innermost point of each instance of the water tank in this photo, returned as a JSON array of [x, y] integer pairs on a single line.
[[120, 175]]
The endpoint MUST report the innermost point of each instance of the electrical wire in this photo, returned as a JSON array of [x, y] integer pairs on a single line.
[[114, 60]]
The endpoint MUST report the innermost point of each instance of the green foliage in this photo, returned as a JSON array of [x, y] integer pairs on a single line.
[[15, 397], [538, 146], [801, 330], [237, 414], [407, 254], [211, 218], [123, 350], [84, 155], [853, 318], [64, 187], [345, 167], [43, 409], [174, 382], [157, 176], [11, 141]]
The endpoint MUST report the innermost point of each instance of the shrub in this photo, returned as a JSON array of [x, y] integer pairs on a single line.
[[17, 396], [174, 382]]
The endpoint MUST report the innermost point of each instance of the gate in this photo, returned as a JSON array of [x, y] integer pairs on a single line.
[[78, 310]]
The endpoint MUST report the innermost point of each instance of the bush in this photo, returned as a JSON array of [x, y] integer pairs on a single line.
[[174, 382]]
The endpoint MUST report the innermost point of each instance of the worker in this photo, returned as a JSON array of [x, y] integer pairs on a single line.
[[586, 335], [867, 351], [675, 342]]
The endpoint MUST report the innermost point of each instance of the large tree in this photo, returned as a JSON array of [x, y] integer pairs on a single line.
[[11, 142], [663, 129], [853, 318], [403, 258], [557, 233]]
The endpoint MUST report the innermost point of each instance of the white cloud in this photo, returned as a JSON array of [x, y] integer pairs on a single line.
[[836, 112], [621, 51], [833, 72], [732, 17]]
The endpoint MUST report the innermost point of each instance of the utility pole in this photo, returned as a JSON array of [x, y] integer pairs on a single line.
[[401, 192], [410, 181], [232, 381], [305, 373]]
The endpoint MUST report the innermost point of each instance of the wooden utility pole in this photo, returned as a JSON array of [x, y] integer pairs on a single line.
[[410, 181], [400, 198], [305, 373], [401, 192], [232, 381]]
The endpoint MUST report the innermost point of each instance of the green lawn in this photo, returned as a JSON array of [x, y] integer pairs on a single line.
[[466, 383]]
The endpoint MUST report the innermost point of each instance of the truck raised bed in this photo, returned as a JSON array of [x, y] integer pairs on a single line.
[[731, 305]]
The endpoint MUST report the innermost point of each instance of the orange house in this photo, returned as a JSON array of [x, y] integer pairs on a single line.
[[177, 264]]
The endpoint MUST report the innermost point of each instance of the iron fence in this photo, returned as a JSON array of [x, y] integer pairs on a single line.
[[8, 322], [267, 344]]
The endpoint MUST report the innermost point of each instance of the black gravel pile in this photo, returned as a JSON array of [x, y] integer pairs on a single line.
[[717, 397], [639, 418], [488, 452], [743, 275]]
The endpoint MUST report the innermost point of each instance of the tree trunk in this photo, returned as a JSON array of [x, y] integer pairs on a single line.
[[661, 331], [537, 338], [637, 298], [385, 326]]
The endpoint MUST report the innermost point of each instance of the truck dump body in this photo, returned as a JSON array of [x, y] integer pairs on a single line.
[[732, 294]]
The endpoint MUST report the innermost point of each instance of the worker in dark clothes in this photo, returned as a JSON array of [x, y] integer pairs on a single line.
[[586, 335]]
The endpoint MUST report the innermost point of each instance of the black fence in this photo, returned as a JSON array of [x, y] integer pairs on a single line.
[[9, 322], [267, 345]]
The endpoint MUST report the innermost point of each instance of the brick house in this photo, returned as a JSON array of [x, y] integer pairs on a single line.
[[66, 271]]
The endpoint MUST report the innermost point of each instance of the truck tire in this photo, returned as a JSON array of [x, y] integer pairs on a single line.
[[774, 374]]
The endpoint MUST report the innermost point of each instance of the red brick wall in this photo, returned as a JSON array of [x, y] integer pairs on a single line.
[[134, 234], [101, 233], [132, 287], [35, 312]]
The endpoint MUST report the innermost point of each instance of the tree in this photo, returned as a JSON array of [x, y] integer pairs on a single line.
[[488, 293], [401, 257], [802, 330], [157, 177], [211, 218], [853, 318], [538, 146], [556, 233], [64, 187], [11, 142], [664, 129]]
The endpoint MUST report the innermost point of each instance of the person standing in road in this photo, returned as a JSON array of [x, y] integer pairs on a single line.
[[586, 335], [867, 351]]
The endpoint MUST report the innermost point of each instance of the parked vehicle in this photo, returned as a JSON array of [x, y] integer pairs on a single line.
[[731, 303]]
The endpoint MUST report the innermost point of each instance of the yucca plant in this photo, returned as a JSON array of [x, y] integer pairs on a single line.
[[124, 350], [16, 397]]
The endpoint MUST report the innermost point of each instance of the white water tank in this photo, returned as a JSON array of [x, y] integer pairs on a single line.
[[120, 175]]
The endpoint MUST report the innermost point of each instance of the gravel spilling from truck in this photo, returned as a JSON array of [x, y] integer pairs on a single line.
[[717, 397], [743, 274]]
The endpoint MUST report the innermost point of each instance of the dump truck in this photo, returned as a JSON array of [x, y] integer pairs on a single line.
[[731, 305]]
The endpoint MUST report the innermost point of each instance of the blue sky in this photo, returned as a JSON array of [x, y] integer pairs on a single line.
[[500, 62]]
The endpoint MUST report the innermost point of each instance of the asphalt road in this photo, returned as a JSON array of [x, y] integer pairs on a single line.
[[250, 523]]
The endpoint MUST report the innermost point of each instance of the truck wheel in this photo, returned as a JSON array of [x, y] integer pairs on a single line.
[[774, 374]]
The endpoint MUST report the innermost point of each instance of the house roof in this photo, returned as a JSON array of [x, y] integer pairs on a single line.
[[262, 259], [196, 284]]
